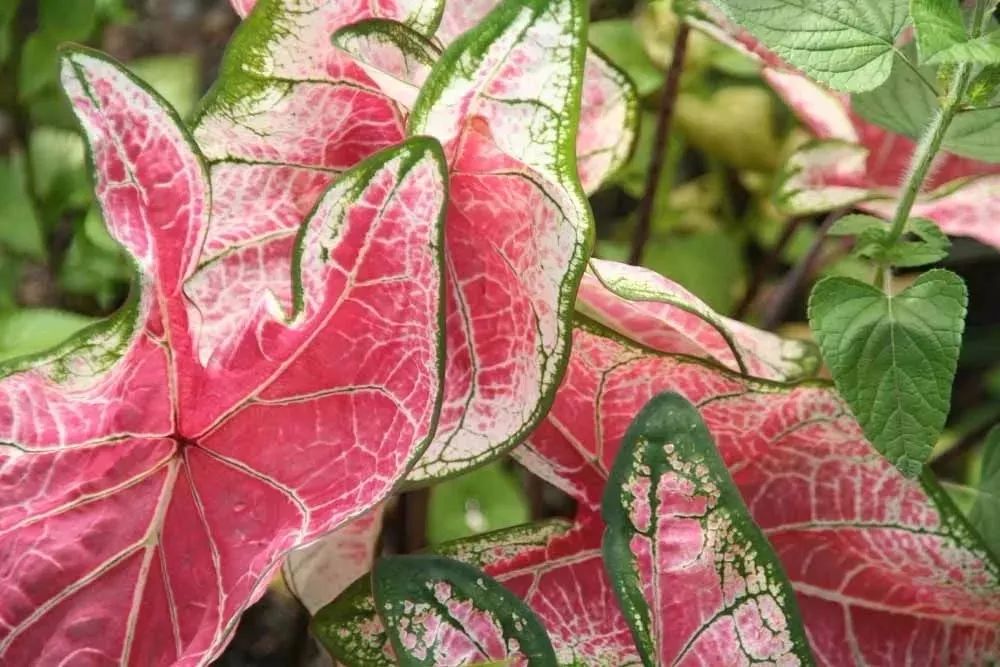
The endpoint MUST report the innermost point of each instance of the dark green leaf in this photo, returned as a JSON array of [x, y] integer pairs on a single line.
[[423, 599], [893, 357], [39, 58]]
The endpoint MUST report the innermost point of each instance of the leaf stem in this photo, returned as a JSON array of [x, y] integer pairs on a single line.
[[668, 105], [932, 138]]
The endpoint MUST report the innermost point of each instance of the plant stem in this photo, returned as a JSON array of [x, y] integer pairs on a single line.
[[764, 268], [668, 105], [931, 140]]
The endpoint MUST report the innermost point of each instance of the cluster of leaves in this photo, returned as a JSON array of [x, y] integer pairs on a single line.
[[367, 267]]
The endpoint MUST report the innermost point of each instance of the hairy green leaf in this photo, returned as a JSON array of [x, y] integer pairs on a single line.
[[674, 516], [442, 611], [846, 44], [893, 357]]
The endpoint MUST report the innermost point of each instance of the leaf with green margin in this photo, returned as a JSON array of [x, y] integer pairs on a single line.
[[893, 357], [442, 612], [351, 630], [482, 500], [846, 44], [675, 524], [396, 57], [504, 99], [985, 513]]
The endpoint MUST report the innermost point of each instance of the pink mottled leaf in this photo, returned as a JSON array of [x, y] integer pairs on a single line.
[[654, 311], [881, 565], [443, 612], [141, 485], [519, 227], [319, 572], [696, 578]]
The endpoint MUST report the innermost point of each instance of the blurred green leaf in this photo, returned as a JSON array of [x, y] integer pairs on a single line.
[[39, 65], [735, 124], [20, 230], [985, 513], [91, 269], [709, 264], [486, 499], [8, 10], [67, 20], [33, 330], [619, 41], [57, 158], [175, 77]]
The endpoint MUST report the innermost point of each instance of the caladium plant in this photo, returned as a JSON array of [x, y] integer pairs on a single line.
[[518, 229], [153, 482], [884, 568]]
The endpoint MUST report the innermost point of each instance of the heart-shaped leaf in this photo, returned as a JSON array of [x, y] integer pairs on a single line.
[[677, 528], [144, 500], [893, 357], [441, 611]]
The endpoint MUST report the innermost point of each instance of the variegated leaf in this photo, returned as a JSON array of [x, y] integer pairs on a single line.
[[654, 311], [141, 486], [443, 612], [885, 569], [317, 573], [697, 579], [519, 227]]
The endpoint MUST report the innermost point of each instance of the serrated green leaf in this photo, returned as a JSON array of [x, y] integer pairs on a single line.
[[938, 25], [855, 224], [846, 44], [33, 330], [893, 357], [668, 493], [424, 598], [933, 245], [67, 20], [985, 513], [485, 499], [906, 102], [20, 227]]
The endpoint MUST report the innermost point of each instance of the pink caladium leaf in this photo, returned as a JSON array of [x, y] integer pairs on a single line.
[[144, 502], [696, 578], [443, 612], [854, 162], [880, 575], [652, 310], [502, 101], [319, 572]]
